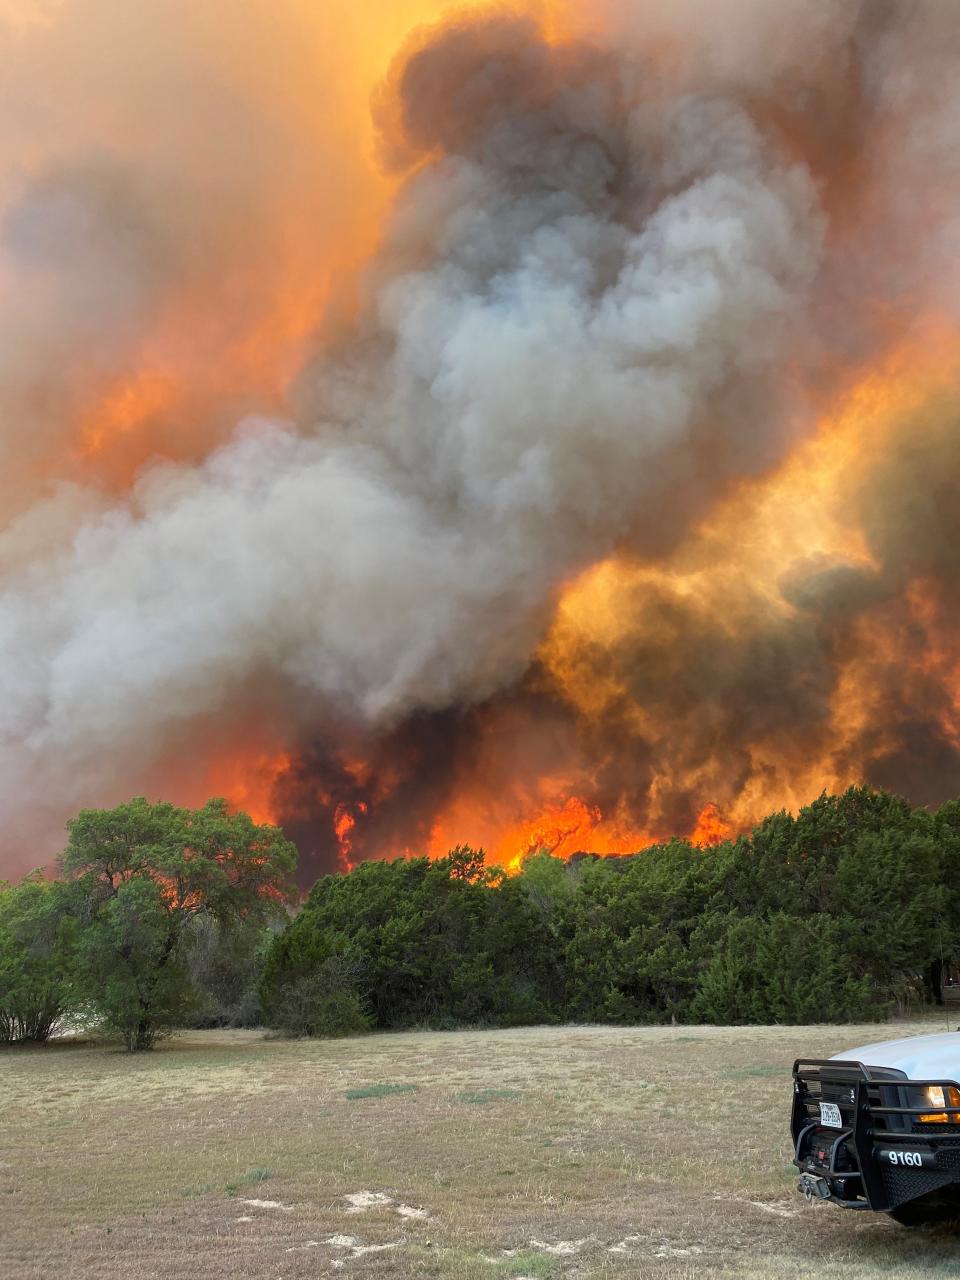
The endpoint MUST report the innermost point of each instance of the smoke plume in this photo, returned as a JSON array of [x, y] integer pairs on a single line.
[[494, 535]]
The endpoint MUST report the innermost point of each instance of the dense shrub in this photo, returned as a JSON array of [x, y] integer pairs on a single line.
[[835, 914], [785, 969], [38, 988], [323, 1003], [442, 943]]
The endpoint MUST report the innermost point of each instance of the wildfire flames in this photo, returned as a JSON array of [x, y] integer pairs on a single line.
[[542, 432]]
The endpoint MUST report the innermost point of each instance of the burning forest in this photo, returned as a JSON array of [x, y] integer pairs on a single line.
[[534, 426]]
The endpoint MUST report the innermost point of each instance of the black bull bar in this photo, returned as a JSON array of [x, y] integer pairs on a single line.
[[882, 1154]]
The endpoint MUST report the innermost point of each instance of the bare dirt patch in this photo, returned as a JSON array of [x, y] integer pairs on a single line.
[[608, 1152]]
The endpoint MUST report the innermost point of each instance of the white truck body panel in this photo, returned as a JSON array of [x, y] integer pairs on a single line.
[[934, 1057]]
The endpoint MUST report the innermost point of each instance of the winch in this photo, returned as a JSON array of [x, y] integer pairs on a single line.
[[813, 1187]]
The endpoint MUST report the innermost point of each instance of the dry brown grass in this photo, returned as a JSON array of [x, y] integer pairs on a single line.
[[584, 1151]]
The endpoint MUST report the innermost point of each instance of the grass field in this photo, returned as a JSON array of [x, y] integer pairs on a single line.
[[609, 1152]]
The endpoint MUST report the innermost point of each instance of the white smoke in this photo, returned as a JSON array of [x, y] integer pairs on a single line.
[[578, 332]]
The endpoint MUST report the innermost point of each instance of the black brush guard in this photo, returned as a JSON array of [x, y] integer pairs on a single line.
[[859, 1165]]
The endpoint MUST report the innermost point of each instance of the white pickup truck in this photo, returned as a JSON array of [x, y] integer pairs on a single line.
[[878, 1127]]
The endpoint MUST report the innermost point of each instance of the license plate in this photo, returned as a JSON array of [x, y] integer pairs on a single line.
[[830, 1115]]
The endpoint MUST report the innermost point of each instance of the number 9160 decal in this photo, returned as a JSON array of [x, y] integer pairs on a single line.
[[902, 1159]]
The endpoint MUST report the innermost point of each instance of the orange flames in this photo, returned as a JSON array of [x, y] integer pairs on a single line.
[[712, 828], [344, 821], [731, 572], [561, 828], [577, 827]]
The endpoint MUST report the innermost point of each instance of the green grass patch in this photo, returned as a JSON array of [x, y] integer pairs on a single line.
[[750, 1073], [380, 1090], [249, 1179], [489, 1095], [523, 1264]]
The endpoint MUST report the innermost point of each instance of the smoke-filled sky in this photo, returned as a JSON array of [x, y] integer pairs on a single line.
[[517, 426]]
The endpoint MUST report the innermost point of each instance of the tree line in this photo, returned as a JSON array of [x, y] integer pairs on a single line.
[[167, 917]]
